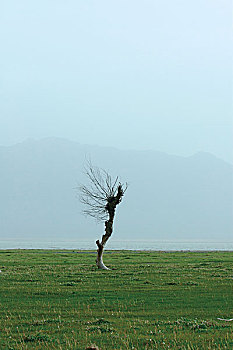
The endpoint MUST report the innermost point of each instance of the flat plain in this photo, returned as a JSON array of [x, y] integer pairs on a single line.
[[148, 300]]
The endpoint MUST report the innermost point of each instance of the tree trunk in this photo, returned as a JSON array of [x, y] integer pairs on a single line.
[[99, 259], [105, 237], [110, 207]]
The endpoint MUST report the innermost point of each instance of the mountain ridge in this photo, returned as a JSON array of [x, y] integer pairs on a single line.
[[65, 140], [169, 196]]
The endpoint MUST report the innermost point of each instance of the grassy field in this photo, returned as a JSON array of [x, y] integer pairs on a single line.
[[149, 300]]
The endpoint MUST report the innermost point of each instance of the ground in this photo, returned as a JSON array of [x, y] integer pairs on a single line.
[[148, 300]]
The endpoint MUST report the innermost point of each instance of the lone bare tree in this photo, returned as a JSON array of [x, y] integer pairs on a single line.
[[101, 198]]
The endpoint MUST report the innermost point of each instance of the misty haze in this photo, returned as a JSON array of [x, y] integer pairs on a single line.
[[169, 197], [144, 89]]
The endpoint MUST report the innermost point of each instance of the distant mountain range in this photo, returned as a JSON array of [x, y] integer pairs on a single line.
[[169, 197]]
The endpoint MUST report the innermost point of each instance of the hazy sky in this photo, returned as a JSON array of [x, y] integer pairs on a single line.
[[151, 74]]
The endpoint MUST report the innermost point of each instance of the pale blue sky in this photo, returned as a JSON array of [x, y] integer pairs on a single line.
[[131, 74]]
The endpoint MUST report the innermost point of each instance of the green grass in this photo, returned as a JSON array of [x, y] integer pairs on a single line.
[[149, 300]]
